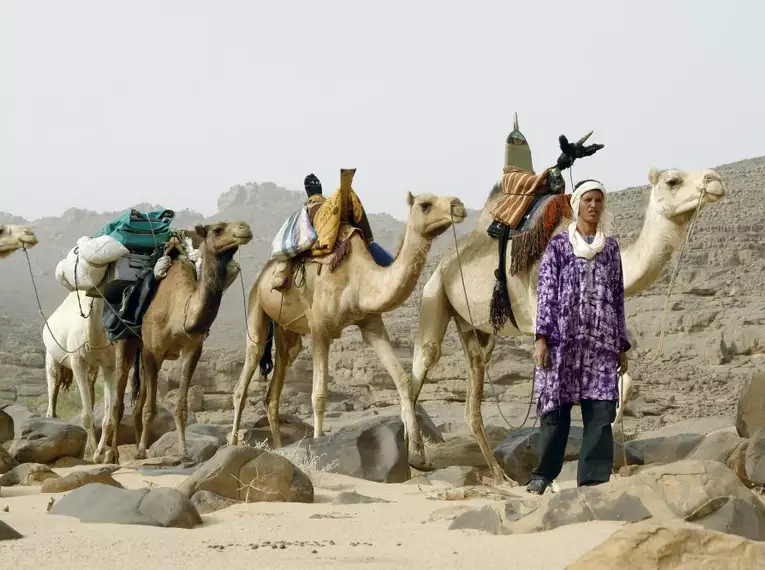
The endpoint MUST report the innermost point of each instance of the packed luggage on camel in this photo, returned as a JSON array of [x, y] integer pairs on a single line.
[[323, 226], [531, 207]]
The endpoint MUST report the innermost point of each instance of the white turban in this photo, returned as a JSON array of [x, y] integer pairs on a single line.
[[583, 188]]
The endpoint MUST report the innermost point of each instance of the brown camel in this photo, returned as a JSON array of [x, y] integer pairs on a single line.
[[357, 292], [15, 237], [175, 326]]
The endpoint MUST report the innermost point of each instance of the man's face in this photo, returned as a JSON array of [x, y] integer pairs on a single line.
[[591, 206]]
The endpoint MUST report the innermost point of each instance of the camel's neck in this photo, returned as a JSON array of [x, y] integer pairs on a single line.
[[382, 289], [205, 301], [644, 260], [93, 307]]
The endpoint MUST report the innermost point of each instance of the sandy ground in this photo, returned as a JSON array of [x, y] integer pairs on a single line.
[[409, 532]]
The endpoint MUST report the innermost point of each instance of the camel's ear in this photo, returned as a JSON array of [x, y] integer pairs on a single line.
[[653, 176], [201, 231], [409, 199]]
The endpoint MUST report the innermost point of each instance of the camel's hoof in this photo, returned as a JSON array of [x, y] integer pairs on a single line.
[[418, 462], [140, 454]]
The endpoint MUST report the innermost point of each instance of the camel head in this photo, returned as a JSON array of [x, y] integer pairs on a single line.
[[430, 215], [676, 194], [15, 237], [222, 239]]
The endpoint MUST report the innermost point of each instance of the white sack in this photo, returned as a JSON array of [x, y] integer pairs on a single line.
[[88, 276], [101, 250]]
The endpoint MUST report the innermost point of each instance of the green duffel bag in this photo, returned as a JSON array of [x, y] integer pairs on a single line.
[[140, 231]]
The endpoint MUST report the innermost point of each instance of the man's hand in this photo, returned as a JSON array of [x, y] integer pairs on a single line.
[[541, 355], [623, 363]]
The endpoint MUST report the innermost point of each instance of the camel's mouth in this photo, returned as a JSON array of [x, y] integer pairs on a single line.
[[28, 240], [244, 237]]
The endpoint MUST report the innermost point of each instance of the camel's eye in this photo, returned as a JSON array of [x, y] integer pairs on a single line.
[[425, 206], [673, 182]]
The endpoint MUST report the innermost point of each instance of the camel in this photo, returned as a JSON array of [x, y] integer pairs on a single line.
[[325, 302], [76, 325], [174, 327], [76, 347], [15, 237], [673, 199]]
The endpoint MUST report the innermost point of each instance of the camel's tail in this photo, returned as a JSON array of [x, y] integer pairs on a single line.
[[63, 376], [136, 382], [267, 361]]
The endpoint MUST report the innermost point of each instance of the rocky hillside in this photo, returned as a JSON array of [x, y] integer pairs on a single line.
[[715, 336]]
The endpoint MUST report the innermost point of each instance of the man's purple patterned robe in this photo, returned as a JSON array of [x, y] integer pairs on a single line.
[[580, 310]]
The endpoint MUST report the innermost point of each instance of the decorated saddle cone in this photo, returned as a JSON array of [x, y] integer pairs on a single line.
[[346, 179]]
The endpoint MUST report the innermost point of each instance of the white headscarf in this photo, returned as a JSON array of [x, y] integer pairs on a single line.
[[581, 247]]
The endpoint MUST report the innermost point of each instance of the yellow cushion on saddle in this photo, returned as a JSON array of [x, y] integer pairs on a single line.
[[335, 211]]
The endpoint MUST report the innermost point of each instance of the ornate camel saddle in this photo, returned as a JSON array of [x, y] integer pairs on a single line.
[[528, 242]]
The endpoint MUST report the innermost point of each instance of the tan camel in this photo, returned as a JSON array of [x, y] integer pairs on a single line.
[[174, 327], [86, 348], [15, 237], [673, 199], [357, 292]]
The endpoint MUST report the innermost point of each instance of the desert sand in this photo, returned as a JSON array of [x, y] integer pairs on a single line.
[[411, 531]]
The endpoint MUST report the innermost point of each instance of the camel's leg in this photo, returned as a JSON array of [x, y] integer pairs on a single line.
[[188, 366], [288, 347], [625, 393], [476, 353], [52, 374], [107, 425], [149, 371], [140, 403], [320, 348], [257, 338], [435, 313], [373, 332], [92, 377], [80, 372], [124, 356]]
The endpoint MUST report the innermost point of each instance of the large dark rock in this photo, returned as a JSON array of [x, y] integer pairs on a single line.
[[19, 415], [750, 415], [373, 449], [207, 502], [44, 440], [199, 446], [6, 427], [6, 461], [664, 449], [518, 453], [7, 532], [250, 474], [99, 503]]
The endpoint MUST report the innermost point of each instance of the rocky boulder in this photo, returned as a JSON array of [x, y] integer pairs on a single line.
[[373, 449], [6, 427], [750, 414], [78, 479], [518, 453], [6, 461], [702, 492], [202, 441], [99, 503], [28, 474], [7, 532], [666, 545], [44, 440], [250, 474], [755, 458]]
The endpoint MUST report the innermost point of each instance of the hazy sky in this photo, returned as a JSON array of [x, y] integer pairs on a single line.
[[106, 104]]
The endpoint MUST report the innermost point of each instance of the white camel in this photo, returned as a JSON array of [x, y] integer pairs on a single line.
[[673, 199], [79, 348]]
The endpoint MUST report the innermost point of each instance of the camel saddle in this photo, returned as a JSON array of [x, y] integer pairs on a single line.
[[528, 242]]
